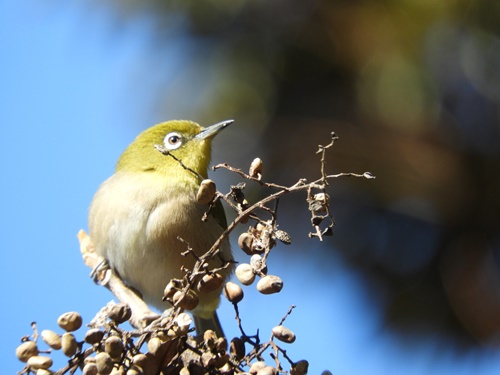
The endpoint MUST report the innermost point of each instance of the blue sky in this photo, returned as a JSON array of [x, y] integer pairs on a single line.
[[74, 92]]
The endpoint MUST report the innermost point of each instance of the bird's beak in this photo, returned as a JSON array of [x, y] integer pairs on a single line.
[[213, 130]]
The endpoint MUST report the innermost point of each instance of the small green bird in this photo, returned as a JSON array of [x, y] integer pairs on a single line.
[[137, 215]]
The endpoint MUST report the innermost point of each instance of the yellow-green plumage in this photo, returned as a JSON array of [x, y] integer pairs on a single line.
[[138, 213]]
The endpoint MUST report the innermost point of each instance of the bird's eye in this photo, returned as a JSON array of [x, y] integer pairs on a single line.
[[172, 141]]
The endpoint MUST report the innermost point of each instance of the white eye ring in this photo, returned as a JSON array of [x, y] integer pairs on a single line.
[[172, 141]]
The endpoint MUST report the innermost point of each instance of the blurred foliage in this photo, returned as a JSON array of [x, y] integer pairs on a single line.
[[411, 87]]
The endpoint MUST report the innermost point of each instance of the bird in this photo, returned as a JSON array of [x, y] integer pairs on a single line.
[[139, 214]]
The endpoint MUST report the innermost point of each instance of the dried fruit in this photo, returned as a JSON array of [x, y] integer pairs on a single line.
[[268, 370], [93, 336], [173, 286], [104, 363], [183, 321], [51, 338], [283, 334], [300, 368], [237, 348], [245, 241], [40, 361], [113, 345], [256, 366], [319, 202], [256, 168], [207, 359], [210, 283], [154, 345], [120, 313], [270, 284], [206, 192], [245, 273], [221, 344], [140, 359], [90, 369], [70, 321], [186, 301], [69, 344], [233, 292], [26, 350]]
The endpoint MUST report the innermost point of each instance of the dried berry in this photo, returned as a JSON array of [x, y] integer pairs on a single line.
[[256, 366], [269, 284], [233, 292], [256, 168], [40, 361], [68, 344], [245, 241], [245, 273], [319, 202], [237, 348], [300, 368], [221, 345], [283, 334], [51, 338], [70, 321], [268, 370], [173, 286], [210, 283], [93, 336], [113, 345], [26, 350], [90, 369], [206, 192], [120, 313], [104, 363], [186, 301]]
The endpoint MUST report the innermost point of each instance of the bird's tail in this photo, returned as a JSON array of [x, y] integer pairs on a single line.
[[213, 323]]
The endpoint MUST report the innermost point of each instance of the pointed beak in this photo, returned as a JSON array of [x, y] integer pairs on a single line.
[[212, 130]]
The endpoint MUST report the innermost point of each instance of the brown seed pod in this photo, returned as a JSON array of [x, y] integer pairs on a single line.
[[104, 363], [300, 368], [237, 348], [51, 338], [245, 241], [26, 350], [221, 344], [40, 361], [283, 334], [256, 366], [135, 370], [93, 336], [90, 369], [120, 313], [210, 283], [184, 371], [221, 360], [120, 370], [154, 345], [186, 301], [209, 339], [173, 286], [113, 345], [141, 360], [68, 344], [256, 168], [206, 192], [42, 371], [182, 323], [233, 292], [70, 321], [268, 370], [245, 273], [270, 284]]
